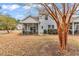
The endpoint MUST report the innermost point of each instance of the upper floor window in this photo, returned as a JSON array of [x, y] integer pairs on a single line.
[[46, 17], [49, 26], [53, 26], [42, 27]]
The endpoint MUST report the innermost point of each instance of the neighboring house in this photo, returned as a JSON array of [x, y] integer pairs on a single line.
[[74, 25], [19, 26], [42, 23]]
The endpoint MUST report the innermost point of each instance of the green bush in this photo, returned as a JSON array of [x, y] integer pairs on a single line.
[[49, 31], [54, 31], [45, 31]]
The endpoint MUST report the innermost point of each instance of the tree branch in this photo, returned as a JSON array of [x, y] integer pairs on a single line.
[[51, 12], [59, 11], [64, 7], [72, 11]]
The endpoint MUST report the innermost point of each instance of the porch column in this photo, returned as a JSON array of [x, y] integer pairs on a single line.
[[23, 29], [73, 28], [39, 29]]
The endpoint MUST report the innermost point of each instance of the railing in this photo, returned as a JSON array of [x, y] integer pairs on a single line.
[[29, 32], [76, 31]]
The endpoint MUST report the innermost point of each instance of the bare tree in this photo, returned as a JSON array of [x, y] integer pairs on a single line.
[[62, 17]]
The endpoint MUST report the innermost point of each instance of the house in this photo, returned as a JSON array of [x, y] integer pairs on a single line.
[[74, 24], [37, 25], [42, 23], [19, 26]]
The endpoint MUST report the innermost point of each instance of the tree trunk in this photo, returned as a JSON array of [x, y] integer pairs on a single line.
[[62, 38], [7, 29]]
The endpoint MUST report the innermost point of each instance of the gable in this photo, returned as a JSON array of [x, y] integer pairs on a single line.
[[30, 20]]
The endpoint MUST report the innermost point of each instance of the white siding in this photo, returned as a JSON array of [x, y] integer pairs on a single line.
[[19, 26], [44, 23]]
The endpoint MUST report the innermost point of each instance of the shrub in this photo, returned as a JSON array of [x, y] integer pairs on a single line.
[[50, 31], [54, 31], [45, 31]]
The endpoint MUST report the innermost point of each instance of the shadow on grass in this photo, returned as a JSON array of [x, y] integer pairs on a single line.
[[52, 49]]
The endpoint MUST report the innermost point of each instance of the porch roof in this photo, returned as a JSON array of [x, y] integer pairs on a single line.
[[75, 18], [30, 20]]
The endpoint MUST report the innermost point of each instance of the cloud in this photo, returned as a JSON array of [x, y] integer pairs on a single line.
[[4, 12], [34, 5], [13, 7], [10, 7], [30, 6], [50, 5], [39, 6], [27, 7], [19, 16], [4, 7]]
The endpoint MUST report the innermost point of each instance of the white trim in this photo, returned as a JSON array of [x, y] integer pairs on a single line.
[[72, 28]]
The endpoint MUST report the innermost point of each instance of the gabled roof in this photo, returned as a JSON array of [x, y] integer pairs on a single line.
[[30, 19], [75, 18]]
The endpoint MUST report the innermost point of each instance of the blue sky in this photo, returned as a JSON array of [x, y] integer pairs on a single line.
[[18, 11]]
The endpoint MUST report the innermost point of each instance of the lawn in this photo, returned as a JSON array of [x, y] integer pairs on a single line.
[[13, 44]]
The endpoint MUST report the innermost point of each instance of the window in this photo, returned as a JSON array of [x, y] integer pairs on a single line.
[[40, 17], [53, 26], [42, 27], [70, 27], [46, 17], [49, 26]]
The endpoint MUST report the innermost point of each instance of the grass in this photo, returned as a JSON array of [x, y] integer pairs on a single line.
[[34, 45]]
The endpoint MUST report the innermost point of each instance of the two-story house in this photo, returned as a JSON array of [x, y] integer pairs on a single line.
[[44, 22]]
